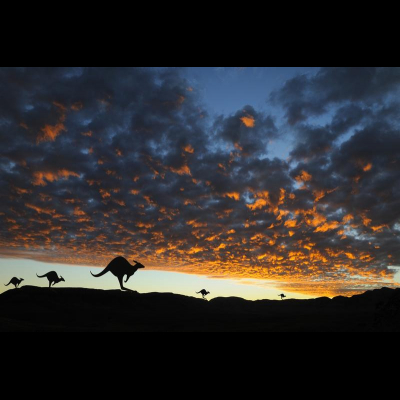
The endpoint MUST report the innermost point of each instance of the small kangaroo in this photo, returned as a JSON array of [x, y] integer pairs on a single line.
[[282, 296], [204, 293], [52, 278], [121, 267], [16, 282]]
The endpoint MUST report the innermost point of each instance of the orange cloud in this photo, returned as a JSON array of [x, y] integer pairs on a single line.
[[189, 149], [233, 195], [319, 195], [304, 177], [196, 224], [105, 194], [262, 201], [282, 196], [258, 205], [314, 219], [281, 214], [78, 212], [120, 203], [329, 226], [50, 132], [248, 121], [184, 170], [40, 178], [195, 250], [368, 167], [292, 223], [212, 238], [145, 225], [21, 191], [366, 220], [40, 210], [378, 228], [348, 218]]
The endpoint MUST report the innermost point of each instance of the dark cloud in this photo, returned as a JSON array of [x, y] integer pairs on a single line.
[[306, 96], [99, 161], [248, 131]]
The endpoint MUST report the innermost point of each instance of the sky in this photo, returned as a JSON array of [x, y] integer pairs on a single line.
[[246, 181]]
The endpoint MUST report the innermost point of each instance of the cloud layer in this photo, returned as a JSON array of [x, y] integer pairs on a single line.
[[100, 161]]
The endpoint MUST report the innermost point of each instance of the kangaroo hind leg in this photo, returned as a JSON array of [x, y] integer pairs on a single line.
[[121, 282]]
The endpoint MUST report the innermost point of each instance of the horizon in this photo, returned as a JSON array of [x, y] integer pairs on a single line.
[[244, 181], [157, 281]]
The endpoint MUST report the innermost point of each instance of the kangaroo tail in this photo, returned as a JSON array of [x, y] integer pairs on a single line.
[[44, 276], [101, 273], [8, 284]]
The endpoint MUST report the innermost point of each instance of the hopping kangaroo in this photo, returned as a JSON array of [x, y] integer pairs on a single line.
[[52, 278], [204, 293], [16, 282], [120, 267]]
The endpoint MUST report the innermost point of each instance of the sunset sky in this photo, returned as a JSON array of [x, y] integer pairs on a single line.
[[246, 181]]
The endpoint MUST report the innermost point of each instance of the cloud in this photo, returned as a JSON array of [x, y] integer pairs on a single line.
[[247, 131], [104, 161], [306, 96]]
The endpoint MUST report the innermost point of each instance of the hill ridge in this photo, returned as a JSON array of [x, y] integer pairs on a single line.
[[77, 309]]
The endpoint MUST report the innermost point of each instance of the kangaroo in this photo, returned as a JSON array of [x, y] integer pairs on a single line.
[[121, 267], [282, 296], [16, 282], [204, 293], [52, 278]]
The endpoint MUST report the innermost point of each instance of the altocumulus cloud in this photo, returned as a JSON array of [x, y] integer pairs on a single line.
[[100, 161]]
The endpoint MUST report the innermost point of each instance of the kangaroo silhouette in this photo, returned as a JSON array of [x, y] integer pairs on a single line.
[[204, 293], [52, 278], [16, 282], [121, 267], [282, 296]]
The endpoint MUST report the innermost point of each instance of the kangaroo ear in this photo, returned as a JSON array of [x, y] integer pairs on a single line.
[[135, 262]]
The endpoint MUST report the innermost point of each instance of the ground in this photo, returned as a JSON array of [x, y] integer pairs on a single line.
[[32, 309]]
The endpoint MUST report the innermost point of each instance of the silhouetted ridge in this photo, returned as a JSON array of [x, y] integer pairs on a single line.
[[34, 309]]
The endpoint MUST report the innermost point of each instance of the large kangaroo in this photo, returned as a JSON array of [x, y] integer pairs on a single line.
[[52, 278], [119, 268], [16, 282]]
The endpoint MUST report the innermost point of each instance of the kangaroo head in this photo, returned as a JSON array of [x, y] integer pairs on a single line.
[[62, 279], [22, 280], [138, 265]]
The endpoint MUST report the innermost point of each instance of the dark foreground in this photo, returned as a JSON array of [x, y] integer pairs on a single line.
[[32, 309]]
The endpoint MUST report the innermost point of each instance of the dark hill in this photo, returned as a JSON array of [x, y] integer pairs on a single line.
[[34, 309]]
